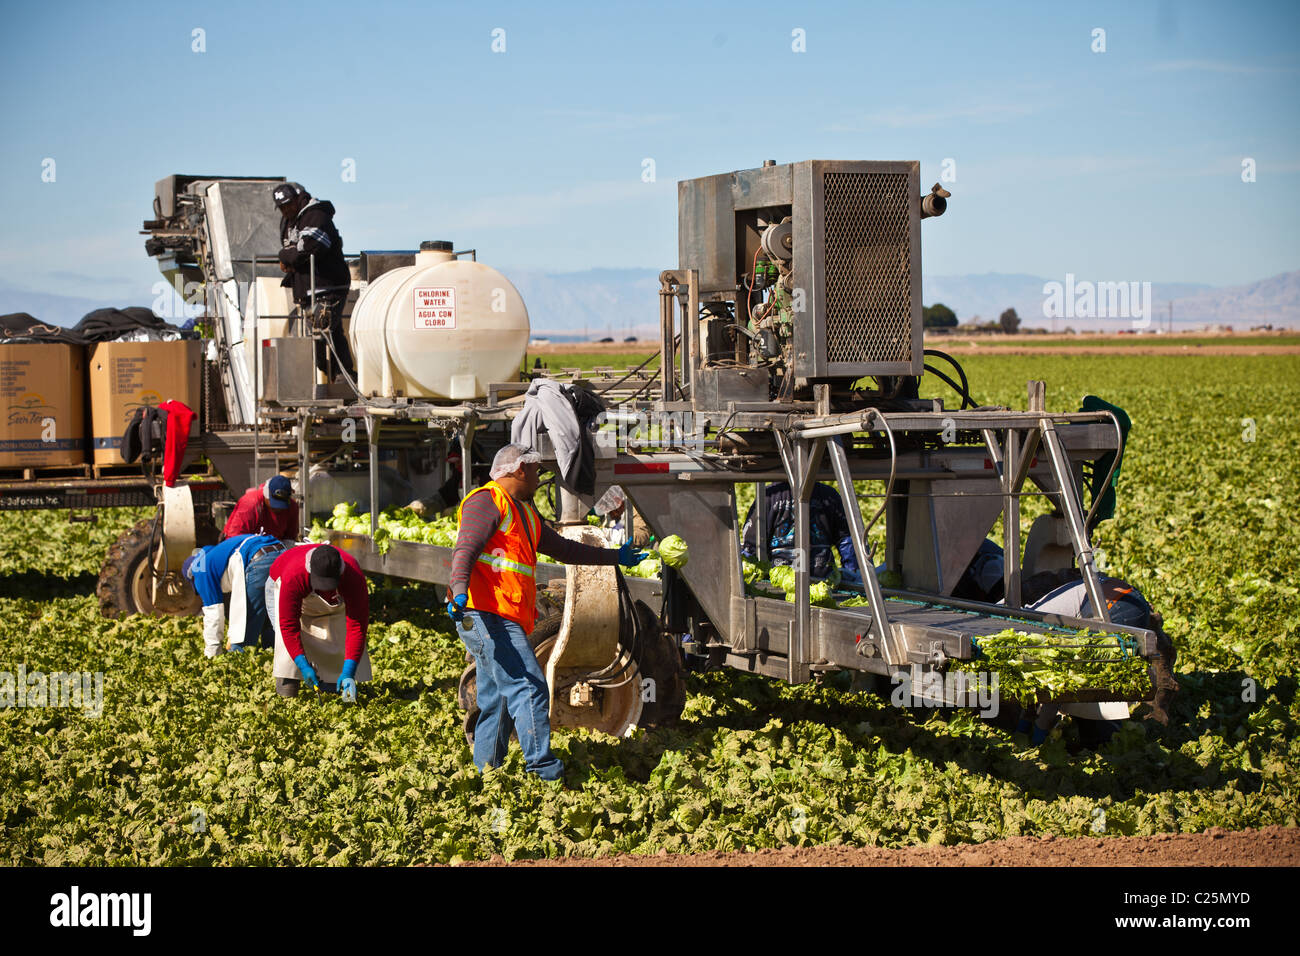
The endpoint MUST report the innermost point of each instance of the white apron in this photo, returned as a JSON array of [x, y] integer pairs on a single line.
[[234, 576], [324, 637]]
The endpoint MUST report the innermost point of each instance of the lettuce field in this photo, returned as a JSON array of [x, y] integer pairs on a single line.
[[197, 761]]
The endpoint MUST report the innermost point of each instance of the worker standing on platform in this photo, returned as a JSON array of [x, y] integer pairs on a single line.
[[492, 587], [307, 230], [267, 509]]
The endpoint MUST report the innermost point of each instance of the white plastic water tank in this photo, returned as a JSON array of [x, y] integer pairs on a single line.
[[443, 329]]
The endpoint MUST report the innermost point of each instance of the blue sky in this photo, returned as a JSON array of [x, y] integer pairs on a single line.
[[1122, 165]]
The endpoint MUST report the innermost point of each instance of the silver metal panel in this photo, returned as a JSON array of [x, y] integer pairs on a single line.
[[289, 371], [244, 223], [718, 386], [705, 517], [762, 187], [706, 231], [807, 265], [943, 533]]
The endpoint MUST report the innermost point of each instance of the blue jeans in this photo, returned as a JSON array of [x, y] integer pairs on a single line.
[[511, 686], [258, 624]]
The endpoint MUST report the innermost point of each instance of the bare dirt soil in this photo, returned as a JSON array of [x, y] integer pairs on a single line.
[[1271, 846]]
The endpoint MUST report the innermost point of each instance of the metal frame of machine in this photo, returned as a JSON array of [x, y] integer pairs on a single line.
[[790, 332]]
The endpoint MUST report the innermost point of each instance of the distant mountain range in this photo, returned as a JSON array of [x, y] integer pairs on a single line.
[[49, 308], [622, 302]]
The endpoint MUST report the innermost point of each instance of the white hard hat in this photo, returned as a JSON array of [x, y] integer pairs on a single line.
[[508, 460]]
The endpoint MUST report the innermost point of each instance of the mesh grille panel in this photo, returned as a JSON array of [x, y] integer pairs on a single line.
[[868, 268]]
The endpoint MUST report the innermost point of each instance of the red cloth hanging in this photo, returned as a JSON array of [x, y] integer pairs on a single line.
[[179, 418]]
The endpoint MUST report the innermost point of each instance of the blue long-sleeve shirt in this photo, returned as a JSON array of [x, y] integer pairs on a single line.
[[209, 570]]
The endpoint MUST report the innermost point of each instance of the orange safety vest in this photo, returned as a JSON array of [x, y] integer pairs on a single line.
[[502, 580]]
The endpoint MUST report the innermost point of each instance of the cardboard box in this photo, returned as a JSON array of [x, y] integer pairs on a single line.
[[42, 401], [126, 375]]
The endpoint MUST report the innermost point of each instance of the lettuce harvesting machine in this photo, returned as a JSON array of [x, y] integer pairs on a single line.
[[790, 351]]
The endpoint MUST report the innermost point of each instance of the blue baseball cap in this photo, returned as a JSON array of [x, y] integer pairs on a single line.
[[278, 492]]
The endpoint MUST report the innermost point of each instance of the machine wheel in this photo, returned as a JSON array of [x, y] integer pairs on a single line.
[[658, 659], [125, 583], [124, 580], [542, 640], [1162, 673]]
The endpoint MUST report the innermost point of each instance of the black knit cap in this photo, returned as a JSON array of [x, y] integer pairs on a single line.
[[325, 565]]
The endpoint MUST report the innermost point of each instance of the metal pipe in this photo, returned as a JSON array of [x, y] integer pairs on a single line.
[[893, 470], [693, 313], [466, 461], [257, 376], [830, 431], [969, 420], [1011, 523], [304, 471], [935, 202], [1074, 519], [1090, 522], [858, 533], [798, 650], [667, 360], [372, 433]]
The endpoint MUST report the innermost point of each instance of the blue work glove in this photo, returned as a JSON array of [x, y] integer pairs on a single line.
[[630, 555], [456, 607], [1038, 736], [348, 682], [307, 671], [850, 578]]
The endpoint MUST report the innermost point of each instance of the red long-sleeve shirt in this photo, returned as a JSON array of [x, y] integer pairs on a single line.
[[252, 515], [290, 569]]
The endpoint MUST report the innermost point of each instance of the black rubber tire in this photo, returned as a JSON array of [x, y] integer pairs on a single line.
[[119, 588], [1163, 682], [659, 659]]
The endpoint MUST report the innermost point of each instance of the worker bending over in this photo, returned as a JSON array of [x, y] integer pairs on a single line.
[[317, 601], [493, 589], [239, 567], [267, 509]]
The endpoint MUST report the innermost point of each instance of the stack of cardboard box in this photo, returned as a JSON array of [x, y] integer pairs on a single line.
[[127, 375], [43, 389], [42, 405]]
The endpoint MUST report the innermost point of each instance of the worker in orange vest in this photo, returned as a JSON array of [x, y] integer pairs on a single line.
[[493, 588]]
